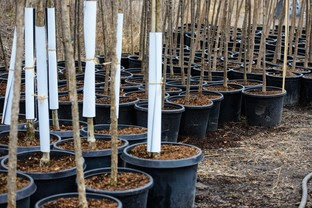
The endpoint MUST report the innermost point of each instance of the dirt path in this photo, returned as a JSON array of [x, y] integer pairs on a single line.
[[256, 167]]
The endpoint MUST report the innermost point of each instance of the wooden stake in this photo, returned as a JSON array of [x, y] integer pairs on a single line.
[[131, 27], [226, 40], [237, 15], [286, 44], [11, 179], [308, 33], [264, 29], [293, 27], [70, 64], [182, 43]]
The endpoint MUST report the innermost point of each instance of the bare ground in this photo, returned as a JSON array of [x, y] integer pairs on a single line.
[[256, 167]]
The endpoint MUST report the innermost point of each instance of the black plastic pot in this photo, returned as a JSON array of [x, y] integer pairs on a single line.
[[52, 182], [136, 72], [3, 153], [263, 110], [28, 148], [65, 111], [21, 126], [292, 86], [215, 110], [174, 92], [22, 195], [230, 109], [215, 79], [46, 200], [193, 86], [170, 119], [95, 158], [174, 180], [134, 61], [126, 113], [133, 138], [133, 198], [307, 90], [194, 119], [67, 133]]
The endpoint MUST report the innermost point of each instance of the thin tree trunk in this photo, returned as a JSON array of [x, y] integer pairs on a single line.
[[146, 54], [182, 44], [237, 15], [78, 37], [131, 27], [308, 34], [192, 51], [3, 54], [277, 53], [265, 28], [11, 179], [293, 27], [226, 39], [252, 37], [214, 68], [142, 31], [298, 36], [113, 111], [244, 35], [70, 63]]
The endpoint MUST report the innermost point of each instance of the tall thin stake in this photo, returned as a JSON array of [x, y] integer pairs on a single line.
[[286, 44]]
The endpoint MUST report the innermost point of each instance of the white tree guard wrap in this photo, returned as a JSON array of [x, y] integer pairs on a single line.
[[154, 93], [118, 53], [89, 79], [53, 85], [7, 107], [42, 89], [29, 64]]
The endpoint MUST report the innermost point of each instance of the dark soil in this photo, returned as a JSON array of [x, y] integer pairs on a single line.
[[220, 88], [107, 100], [168, 152], [123, 131], [172, 89], [195, 100], [20, 183], [31, 163], [65, 98], [140, 95], [270, 92], [257, 167], [248, 83], [74, 203], [24, 141], [100, 144], [288, 74], [125, 181], [3, 86]]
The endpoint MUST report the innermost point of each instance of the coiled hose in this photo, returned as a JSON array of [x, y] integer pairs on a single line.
[[304, 196]]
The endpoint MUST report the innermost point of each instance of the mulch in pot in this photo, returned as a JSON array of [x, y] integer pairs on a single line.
[[268, 92], [195, 100], [20, 183], [65, 98], [107, 100], [220, 88], [73, 202], [123, 131], [24, 141], [100, 144], [168, 152], [241, 82], [140, 95], [125, 181], [57, 163]]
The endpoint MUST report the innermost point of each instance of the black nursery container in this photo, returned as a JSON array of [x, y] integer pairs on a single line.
[[264, 110], [3, 153], [307, 90], [28, 148], [51, 182], [194, 119], [46, 200], [95, 158], [230, 109], [174, 180], [292, 86], [134, 61], [22, 195], [133, 198], [126, 113], [170, 123], [131, 138], [213, 120]]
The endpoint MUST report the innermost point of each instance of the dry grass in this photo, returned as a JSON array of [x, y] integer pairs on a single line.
[[256, 167]]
